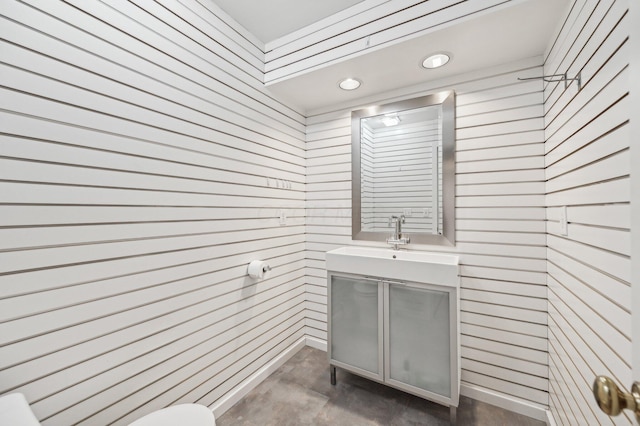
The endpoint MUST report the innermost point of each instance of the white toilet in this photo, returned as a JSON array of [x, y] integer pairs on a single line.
[[183, 414], [15, 411]]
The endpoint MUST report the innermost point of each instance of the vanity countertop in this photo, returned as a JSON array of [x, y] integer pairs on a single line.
[[401, 265]]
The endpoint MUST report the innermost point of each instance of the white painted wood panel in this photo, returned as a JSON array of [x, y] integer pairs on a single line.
[[143, 59], [144, 165], [357, 31], [341, 22], [587, 172]]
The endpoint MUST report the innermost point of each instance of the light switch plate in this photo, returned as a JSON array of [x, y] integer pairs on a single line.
[[564, 225]]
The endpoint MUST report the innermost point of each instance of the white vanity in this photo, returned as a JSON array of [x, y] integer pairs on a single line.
[[394, 318]]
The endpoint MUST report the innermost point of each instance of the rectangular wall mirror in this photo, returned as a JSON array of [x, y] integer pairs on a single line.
[[403, 164]]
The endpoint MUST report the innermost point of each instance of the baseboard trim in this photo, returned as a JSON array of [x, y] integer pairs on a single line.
[[230, 399], [529, 409], [317, 343]]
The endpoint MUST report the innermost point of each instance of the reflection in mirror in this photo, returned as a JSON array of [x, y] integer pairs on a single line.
[[400, 156], [403, 165]]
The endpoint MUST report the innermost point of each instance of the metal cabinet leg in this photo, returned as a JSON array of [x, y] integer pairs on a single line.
[[332, 371], [453, 415]]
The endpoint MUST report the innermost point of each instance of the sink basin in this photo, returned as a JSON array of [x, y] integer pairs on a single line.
[[421, 267]]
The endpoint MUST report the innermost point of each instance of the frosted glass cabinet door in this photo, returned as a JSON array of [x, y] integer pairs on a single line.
[[419, 351], [354, 323]]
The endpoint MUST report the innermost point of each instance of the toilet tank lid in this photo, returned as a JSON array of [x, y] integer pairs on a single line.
[[183, 414], [15, 411]]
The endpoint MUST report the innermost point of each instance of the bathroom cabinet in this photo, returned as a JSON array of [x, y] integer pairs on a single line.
[[400, 333]]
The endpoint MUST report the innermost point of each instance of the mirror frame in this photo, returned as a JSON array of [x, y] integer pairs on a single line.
[[447, 100]]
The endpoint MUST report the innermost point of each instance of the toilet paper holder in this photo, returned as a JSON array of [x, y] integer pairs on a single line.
[[257, 269]]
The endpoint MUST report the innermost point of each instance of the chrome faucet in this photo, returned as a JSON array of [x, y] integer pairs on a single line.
[[397, 239]]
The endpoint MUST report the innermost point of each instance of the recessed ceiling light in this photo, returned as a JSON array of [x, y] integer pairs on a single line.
[[435, 61], [349, 84]]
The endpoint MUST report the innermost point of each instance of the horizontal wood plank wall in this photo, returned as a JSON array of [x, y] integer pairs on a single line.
[[587, 170], [369, 25], [142, 166], [500, 223]]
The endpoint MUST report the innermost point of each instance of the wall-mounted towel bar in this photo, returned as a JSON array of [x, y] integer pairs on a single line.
[[558, 77]]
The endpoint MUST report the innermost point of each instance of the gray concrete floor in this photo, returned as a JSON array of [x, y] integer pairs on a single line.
[[299, 393]]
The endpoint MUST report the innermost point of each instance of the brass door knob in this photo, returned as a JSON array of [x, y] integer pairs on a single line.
[[612, 400]]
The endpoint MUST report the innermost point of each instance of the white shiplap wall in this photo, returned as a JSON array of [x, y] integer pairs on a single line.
[[143, 165], [500, 226], [587, 170]]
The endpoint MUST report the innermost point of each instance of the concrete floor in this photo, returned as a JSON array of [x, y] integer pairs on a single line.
[[299, 393]]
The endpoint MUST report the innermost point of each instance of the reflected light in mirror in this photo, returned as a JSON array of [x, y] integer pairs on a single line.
[[390, 120]]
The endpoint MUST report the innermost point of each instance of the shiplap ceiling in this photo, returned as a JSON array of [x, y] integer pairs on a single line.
[[517, 30], [271, 19]]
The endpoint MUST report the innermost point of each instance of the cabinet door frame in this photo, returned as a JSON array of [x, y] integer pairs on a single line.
[[454, 343], [379, 377]]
